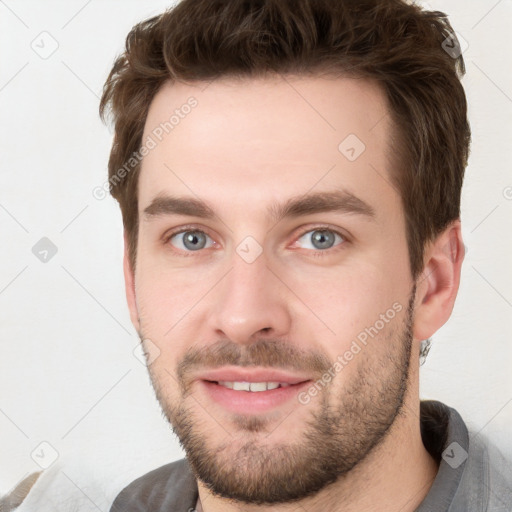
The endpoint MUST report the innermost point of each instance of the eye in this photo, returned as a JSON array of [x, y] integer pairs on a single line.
[[321, 238], [190, 240]]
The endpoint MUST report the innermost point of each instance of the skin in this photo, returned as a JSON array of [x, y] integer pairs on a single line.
[[245, 146]]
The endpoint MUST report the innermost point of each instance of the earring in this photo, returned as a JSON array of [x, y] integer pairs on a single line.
[[424, 350]]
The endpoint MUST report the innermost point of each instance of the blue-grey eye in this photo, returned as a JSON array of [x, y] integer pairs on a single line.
[[190, 240], [320, 238]]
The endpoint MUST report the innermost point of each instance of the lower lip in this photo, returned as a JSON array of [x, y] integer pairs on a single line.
[[247, 402]]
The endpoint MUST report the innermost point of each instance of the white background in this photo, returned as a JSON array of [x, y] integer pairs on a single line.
[[68, 375]]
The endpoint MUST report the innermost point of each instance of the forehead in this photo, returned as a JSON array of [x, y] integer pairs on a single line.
[[278, 136]]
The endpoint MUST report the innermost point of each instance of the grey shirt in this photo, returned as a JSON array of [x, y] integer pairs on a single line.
[[473, 476]]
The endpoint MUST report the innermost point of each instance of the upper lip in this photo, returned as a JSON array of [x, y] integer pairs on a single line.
[[238, 374]]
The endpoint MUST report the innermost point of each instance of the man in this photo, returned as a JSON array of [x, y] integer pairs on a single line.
[[289, 174]]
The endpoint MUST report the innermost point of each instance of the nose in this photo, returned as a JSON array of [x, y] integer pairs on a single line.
[[251, 303]]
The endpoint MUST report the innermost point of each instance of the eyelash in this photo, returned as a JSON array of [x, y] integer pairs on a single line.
[[314, 253]]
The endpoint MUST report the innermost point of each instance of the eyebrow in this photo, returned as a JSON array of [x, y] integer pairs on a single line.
[[319, 202]]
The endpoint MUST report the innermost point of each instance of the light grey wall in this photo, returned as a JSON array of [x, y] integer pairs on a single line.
[[68, 374]]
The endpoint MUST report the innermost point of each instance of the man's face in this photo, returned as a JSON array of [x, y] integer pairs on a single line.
[[258, 293]]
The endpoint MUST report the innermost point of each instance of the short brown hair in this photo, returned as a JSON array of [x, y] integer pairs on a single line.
[[396, 44]]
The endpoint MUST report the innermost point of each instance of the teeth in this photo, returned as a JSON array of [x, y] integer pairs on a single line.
[[258, 386], [241, 386], [252, 386]]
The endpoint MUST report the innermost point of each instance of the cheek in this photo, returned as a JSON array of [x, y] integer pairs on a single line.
[[348, 300], [169, 296], [364, 312], [368, 325], [166, 287], [168, 301]]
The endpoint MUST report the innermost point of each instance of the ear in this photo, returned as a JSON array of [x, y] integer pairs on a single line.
[[129, 283], [438, 284]]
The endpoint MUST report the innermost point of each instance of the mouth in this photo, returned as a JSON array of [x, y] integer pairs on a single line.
[[254, 387], [244, 391]]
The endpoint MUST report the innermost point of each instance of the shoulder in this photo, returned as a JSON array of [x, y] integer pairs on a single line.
[[488, 476], [170, 487], [473, 474]]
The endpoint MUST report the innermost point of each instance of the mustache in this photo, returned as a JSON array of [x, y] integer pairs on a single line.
[[266, 353]]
